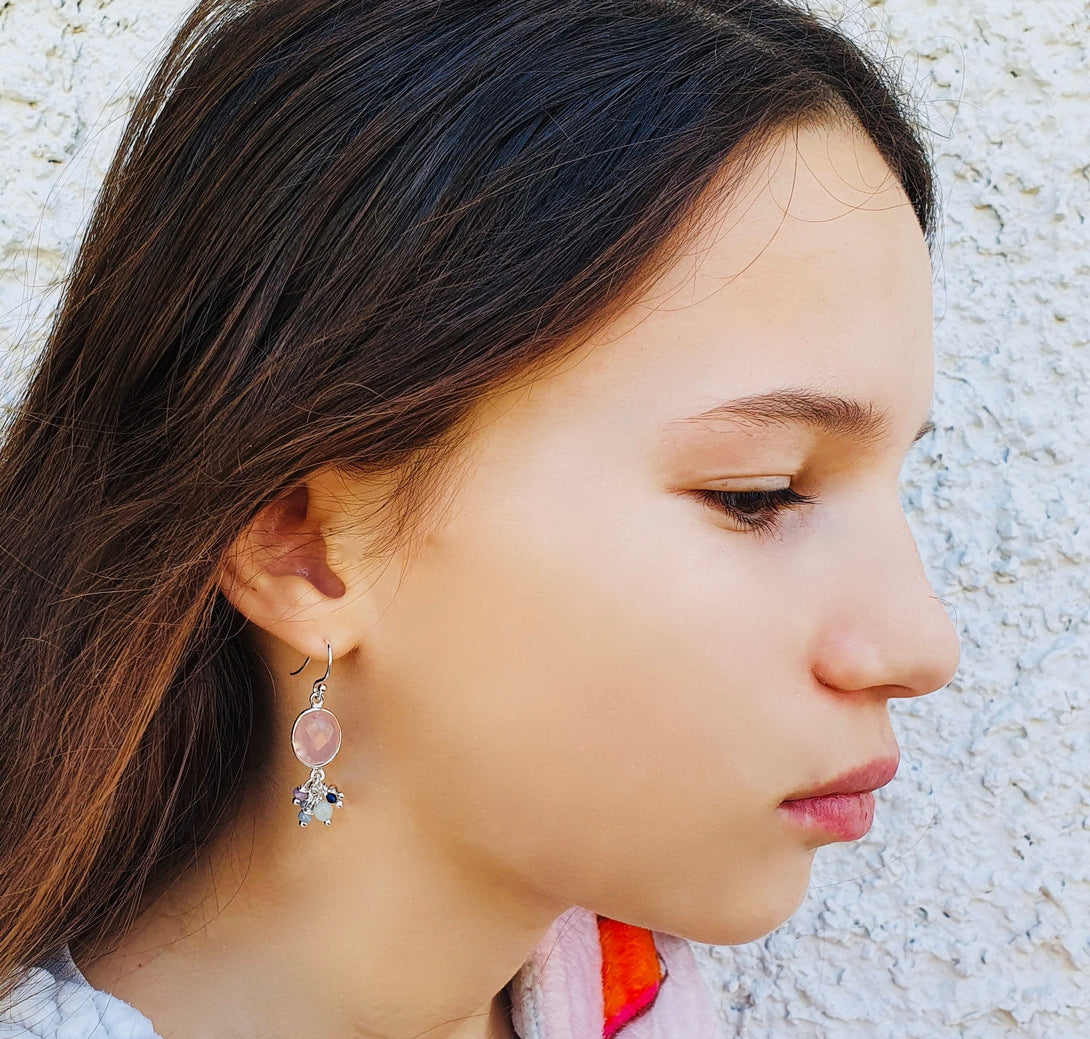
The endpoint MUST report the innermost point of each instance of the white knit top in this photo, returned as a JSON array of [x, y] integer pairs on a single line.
[[55, 1001]]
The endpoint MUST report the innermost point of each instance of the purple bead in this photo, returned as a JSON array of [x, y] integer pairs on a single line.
[[299, 795]]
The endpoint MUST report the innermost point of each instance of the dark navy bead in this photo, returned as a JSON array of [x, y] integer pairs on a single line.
[[331, 797]]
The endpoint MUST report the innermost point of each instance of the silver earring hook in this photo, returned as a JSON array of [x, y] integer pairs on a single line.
[[328, 666]]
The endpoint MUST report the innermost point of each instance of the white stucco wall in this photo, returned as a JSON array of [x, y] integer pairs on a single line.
[[966, 912]]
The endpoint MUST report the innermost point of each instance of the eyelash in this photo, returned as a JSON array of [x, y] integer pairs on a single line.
[[758, 511]]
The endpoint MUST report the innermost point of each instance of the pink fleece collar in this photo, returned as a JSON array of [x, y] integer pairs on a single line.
[[558, 992]]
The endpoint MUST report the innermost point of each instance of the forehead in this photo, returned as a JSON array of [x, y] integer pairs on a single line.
[[812, 268], [776, 226]]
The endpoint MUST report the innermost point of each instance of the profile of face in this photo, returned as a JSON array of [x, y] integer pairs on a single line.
[[674, 585]]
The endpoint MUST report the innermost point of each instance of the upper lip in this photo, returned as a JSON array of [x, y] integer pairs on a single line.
[[859, 780]]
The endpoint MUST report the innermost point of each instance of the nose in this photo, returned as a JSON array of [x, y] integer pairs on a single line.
[[884, 627]]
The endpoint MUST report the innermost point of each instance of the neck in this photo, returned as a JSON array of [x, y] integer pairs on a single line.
[[283, 932]]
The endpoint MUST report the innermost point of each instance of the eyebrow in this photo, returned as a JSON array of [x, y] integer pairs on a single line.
[[841, 417]]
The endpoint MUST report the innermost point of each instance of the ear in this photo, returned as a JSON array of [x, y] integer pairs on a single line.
[[277, 574]]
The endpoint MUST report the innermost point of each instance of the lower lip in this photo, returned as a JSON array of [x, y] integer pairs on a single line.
[[847, 817]]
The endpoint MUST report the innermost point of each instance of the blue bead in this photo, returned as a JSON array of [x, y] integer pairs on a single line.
[[304, 818], [331, 797]]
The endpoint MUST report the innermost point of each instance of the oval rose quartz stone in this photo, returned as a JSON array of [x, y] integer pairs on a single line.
[[316, 736]]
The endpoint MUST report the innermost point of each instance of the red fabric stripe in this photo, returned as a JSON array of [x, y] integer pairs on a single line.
[[631, 974]]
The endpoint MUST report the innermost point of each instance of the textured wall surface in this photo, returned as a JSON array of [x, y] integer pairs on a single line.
[[966, 911]]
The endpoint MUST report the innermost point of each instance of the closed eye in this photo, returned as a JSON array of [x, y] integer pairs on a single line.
[[758, 510]]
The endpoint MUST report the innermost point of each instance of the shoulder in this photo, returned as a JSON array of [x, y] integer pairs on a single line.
[[55, 1001]]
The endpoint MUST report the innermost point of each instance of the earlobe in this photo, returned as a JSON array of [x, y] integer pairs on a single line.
[[276, 573]]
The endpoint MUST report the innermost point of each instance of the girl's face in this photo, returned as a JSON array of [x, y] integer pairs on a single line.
[[597, 679]]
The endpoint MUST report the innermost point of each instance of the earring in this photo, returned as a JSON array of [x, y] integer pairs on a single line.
[[315, 739]]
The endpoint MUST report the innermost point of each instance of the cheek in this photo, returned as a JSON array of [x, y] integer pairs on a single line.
[[603, 707]]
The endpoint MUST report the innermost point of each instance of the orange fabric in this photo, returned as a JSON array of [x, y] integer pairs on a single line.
[[631, 974]]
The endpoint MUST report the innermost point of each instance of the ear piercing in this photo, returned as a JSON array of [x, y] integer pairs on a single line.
[[315, 739]]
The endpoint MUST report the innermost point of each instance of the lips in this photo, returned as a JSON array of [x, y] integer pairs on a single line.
[[843, 808]]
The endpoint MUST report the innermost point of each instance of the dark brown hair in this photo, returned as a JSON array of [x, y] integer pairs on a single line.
[[330, 228]]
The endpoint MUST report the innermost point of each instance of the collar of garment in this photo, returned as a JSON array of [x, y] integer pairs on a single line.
[[589, 978]]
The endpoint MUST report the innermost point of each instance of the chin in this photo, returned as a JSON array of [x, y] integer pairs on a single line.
[[745, 925], [740, 916]]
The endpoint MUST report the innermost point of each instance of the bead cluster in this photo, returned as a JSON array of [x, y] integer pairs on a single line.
[[317, 800]]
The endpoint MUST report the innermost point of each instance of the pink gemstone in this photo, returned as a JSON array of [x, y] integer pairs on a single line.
[[316, 736]]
